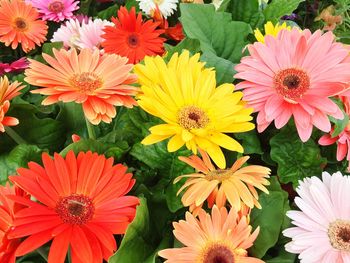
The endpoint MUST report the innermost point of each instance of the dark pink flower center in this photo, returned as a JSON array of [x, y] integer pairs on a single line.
[[56, 6], [75, 209], [133, 40]]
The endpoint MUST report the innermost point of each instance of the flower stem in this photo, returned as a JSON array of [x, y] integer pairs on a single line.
[[42, 253], [90, 129], [14, 136]]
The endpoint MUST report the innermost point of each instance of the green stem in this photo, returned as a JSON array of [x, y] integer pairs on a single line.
[[42, 253], [14, 136], [90, 129]]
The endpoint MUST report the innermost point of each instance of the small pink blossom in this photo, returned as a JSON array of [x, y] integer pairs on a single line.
[[13, 67]]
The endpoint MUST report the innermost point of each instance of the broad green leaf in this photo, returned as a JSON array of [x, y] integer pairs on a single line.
[[250, 142], [278, 8], [247, 11], [270, 218], [108, 12], [190, 44], [18, 157], [296, 160], [223, 67], [283, 257], [216, 31], [47, 47]]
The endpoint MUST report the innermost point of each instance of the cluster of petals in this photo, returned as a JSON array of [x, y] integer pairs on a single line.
[[20, 24], [166, 7], [81, 203], [222, 236], [55, 10], [98, 82], [14, 67], [295, 74], [322, 226]]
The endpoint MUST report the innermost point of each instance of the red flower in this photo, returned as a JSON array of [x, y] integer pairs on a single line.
[[82, 204], [133, 38]]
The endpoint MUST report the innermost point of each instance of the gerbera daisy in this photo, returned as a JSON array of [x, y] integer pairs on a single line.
[[19, 23], [55, 10], [271, 30], [219, 237], [82, 205], [236, 184], [90, 33], [98, 82], [322, 227], [68, 33], [197, 114], [131, 37], [8, 208], [14, 67], [166, 7], [295, 74], [7, 92]]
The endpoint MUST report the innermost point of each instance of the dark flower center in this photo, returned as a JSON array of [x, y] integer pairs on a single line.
[[219, 254], [339, 235], [133, 40], [20, 24], [192, 117], [56, 6], [75, 209]]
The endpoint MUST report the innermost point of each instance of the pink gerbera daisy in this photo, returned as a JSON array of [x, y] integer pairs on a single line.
[[295, 74], [322, 227], [68, 33], [55, 10]]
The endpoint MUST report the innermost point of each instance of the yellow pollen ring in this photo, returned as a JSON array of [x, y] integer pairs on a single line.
[[192, 117]]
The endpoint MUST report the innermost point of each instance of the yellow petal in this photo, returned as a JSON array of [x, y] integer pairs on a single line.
[[175, 143], [152, 138], [226, 141]]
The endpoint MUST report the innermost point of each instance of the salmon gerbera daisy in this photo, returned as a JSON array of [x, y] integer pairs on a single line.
[[99, 82], [7, 92], [294, 74], [20, 24], [81, 204], [220, 237], [236, 184], [131, 37], [196, 113]]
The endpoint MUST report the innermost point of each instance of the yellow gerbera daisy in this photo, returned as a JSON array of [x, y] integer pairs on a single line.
[[197, 114], [270, 29]]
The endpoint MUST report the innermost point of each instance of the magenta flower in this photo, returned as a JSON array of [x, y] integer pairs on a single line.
[[14, 67]]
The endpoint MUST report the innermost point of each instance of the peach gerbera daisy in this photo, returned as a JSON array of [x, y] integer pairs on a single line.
[[236, 184], [82, 204], [20, 23], [294, 75], [219, 237], [321, 231], [7, 92], [98, 82]]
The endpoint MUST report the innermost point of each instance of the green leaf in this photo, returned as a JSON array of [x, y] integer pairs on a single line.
[[270, 218], [135, 246], [190, 44], [283, 257], [108, 12], [47, 47], [339, 125], [278, 8], [247, 11], [216, 31], [18, 157], [296, 160], [223, 67], [250, 142]]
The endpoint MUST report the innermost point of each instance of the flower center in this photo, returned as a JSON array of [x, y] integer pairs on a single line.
[[192, 117], [158, 2], [133, 40], [339, 234], [56, 6], [75, 209], [20, 24], [86, 82], [291, 83], [218, 253], [219, 175]]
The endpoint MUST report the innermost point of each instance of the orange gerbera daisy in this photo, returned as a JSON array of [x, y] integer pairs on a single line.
[[82, 205], [98, 82], [20, 23], [7, 92], [8, 208], [221, 237], [237, 185], [132, 38]]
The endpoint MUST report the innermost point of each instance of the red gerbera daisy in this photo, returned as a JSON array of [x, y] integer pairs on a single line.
[[82, 204], [8, 208], [132, 38]]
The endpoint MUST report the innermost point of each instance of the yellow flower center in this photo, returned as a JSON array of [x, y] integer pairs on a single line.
[[56, 6], [75, 209], [192, 117], [291, 83], [20, 24], [219, 175], [86, 82], [158, 2], [339, 234]]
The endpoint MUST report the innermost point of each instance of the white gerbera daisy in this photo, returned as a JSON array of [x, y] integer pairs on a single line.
[[322, 227], [68, 33], [90, 33], [166, 7]]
